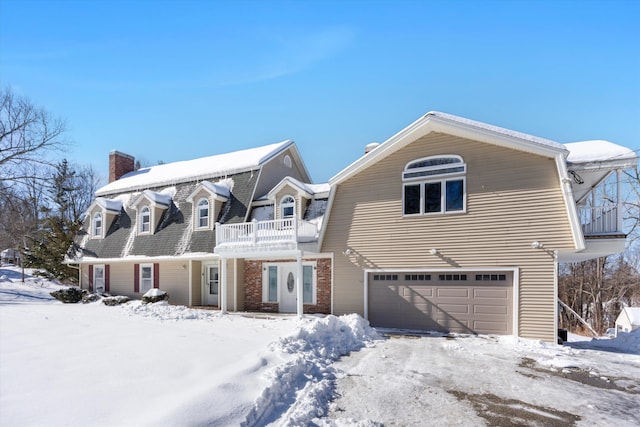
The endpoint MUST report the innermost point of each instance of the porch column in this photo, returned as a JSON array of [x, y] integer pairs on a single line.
[[223, 285], [619, 207], [299, 283]]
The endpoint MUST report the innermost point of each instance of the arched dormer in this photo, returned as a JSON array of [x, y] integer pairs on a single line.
[[102, 213], [207, 200], [150, 206]]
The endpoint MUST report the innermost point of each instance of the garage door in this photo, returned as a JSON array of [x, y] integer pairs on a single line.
[[465, 302]]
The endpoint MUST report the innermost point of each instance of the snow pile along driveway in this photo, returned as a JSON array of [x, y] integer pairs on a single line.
[[302, 388]]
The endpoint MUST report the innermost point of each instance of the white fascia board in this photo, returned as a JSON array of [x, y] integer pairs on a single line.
[[327, 216], [604, 165], [570, 204], [456, 126], [141, 259]]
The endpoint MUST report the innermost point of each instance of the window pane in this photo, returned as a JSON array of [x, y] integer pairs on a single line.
[[455, 195], [146, 272], [307, 284], [411, 199], [432, 199], [273, 284], [213, 280]]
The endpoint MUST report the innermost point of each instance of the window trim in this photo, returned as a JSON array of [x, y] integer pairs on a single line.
[[198, 214], [151, 278], [440, 178], [97, 232], [141, 216]]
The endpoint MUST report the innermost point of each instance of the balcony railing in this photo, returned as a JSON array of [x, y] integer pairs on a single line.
[[265, 233], [600, 220]]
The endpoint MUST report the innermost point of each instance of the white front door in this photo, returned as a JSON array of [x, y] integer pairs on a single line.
[[98, 279], [210, 284], [288, 288]]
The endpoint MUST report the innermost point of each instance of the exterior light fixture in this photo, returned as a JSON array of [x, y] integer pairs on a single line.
[[434, 251], [347, 251], [537, 245]]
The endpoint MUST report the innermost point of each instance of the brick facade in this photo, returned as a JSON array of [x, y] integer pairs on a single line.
[[253, 286]]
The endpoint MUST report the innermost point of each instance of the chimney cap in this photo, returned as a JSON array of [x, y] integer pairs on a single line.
[[120, 153], [370, 147]]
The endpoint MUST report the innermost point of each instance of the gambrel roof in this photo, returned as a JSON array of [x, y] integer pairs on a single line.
[[198, 169]]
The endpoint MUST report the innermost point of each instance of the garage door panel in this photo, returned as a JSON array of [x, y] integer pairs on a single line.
[[490, 309], [455, 305], [479, 292], [453, 292], [454, 308]]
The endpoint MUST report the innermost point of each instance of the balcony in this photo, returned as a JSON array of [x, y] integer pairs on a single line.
[[264, 236], [600, 220]]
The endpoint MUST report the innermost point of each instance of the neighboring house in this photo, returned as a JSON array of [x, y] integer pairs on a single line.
[[10, 256], [450, 225], [628, 320]]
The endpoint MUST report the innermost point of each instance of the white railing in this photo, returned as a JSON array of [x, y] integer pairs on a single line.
[[254, 233], [599, 219]]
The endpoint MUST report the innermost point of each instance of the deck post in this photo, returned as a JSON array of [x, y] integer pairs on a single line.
[[619, 200]]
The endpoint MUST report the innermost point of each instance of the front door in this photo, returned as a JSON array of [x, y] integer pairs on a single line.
[[288, 291], [98, 279], [210, 284]]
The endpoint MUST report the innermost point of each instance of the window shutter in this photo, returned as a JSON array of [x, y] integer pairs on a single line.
[[136, 277], [90, 277], [106, 278], [156, 275]]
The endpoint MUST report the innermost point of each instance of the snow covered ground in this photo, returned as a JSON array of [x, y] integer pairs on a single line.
[[156, 364]]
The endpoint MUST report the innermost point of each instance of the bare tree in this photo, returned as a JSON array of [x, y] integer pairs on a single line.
[[28, 134]]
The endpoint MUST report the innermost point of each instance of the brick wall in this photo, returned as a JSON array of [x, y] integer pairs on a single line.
[[120, 164], [253, 287]]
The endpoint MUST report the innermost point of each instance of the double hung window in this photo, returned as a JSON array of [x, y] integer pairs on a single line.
[[434, 185], [97, 224], [203, 213], [145, 220]]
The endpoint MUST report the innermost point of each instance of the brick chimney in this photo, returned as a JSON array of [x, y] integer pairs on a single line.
[[120, 164]]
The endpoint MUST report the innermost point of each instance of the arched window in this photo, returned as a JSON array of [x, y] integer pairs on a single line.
[[203, 213], [97, 224], [433, 185], [145, 220], [287, 207]]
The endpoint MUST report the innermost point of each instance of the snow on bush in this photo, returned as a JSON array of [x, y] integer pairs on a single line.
[[164, 311], [302, 387]]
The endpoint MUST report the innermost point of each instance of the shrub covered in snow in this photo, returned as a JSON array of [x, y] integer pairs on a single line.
[[69, 295], [155, 295], [89, 298], [117, 300]]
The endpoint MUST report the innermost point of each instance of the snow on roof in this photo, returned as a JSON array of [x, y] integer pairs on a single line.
[[634, 314], [113, 205], [497, 129], [597, 151], [163, 198], [310, 188], [221, 188], [205, 167]]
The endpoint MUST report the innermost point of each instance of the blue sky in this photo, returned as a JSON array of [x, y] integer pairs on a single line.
[[176, 80]]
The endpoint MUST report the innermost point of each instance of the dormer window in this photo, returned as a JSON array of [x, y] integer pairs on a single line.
[[145, 220], [287, 207], [434, 185], [97, 224], [102, 213], [203, 213]]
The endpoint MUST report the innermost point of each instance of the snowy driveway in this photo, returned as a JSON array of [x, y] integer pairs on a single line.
[[470, 381]]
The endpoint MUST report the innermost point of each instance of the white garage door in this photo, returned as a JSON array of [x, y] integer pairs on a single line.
[[466, 302]]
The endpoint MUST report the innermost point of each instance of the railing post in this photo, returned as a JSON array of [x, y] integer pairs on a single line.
[[295, 228], [254, 225], [217, 225]]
